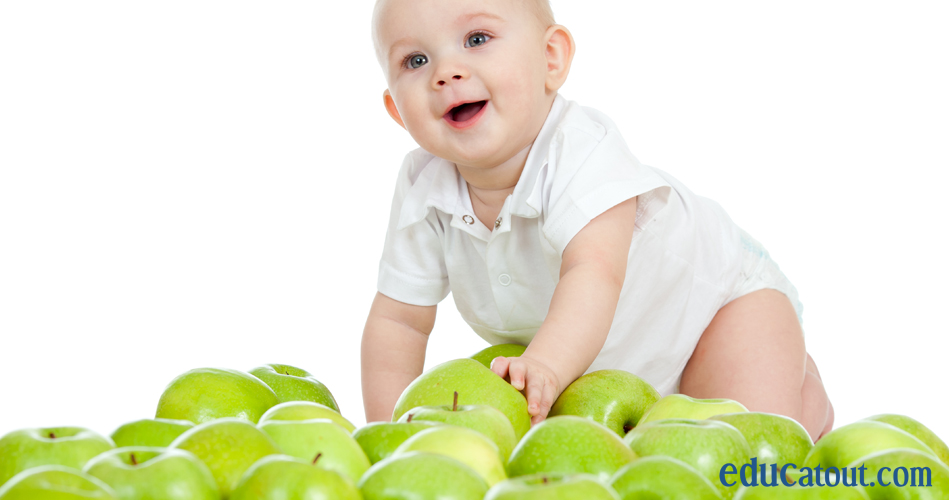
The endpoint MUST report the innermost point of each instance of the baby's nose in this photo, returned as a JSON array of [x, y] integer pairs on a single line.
[[449, 70], [443, 82]]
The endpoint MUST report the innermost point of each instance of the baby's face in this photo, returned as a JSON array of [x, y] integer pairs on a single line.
[[468, 78]]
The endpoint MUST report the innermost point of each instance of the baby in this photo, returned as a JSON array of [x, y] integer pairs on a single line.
[[531, 210]]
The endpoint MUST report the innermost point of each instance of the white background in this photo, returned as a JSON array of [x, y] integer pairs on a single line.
[[194, 183]]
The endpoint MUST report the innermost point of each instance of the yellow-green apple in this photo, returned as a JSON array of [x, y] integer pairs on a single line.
[[569, 444], [664, 478], [204, 394], [294, 384], [475, 384], [422, 476], [463, 444], [145, 473], [914, 427], [158, 432], [682, 406], [795, 492], [902, 473], [68, 446], [55, 482], [485, 419], [846, 444], [380, 439], [705, 445], [614, 398], [305, 410], [774, 439], [487, 355], [288, 478], [323, 438], [228, 446], [552, 486]]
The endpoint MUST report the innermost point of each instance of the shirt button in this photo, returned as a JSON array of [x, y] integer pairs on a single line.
[[497, 223], [468, 219], [504, 280]]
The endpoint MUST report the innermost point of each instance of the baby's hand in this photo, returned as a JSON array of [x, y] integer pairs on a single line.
[[542, 385]]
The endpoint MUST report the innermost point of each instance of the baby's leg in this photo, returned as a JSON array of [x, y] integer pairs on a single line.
[[753, 352]]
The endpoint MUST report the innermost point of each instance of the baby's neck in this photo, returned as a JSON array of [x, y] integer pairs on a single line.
[[495, 179], [489, 187]]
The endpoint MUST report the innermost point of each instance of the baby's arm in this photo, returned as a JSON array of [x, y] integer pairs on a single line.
[[393, 352], [581, 311]]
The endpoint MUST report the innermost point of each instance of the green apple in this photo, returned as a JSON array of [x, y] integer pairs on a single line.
[[485, 419], [421, 476], [279, 477], [552, 486], [774, 439], [204, 394], [705, 445], [569, 444], [487, 355], [68, 446], [305, 410], [682, 406], [782, 492], [322, 440], [475, 384], [615, 398], [928, 437], [294, 384], [463, 444], [846, 444], [662, 478], [146, 473], [228, 446], [380, 439], [55, 482], [905, 473], [159, 432]]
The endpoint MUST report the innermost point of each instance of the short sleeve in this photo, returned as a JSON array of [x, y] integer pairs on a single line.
[[412, 268], [593, 173]]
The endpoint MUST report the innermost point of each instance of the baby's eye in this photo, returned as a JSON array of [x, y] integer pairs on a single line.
[[476, 39], [416, 61]]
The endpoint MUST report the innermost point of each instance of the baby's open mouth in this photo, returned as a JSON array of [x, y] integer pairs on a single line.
[[465, 111]]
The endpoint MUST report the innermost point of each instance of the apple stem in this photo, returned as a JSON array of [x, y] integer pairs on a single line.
[[318, 455], [410, 417], [544, 479], [132, 458], [52, 436], [454, 406], [627, 428]]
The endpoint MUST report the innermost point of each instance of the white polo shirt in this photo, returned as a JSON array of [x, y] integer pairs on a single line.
[[684, 260]]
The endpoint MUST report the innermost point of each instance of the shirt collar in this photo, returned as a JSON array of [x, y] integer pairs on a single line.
[[526, 198], [440, 186]]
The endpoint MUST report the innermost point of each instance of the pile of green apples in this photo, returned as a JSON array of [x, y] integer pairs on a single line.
[[461, 432]]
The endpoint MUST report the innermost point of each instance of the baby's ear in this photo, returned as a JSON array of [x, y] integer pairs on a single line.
[[559, 52], [391, 109]]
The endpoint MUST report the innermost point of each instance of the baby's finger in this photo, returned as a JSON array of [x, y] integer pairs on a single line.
[[535, 392], [547, 400], [499, 366], [517, 371]]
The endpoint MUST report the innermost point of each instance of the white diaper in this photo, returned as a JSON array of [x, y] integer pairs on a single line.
[[760, 271]]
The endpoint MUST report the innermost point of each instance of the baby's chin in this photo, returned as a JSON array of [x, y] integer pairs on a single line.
[[482, 156]]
